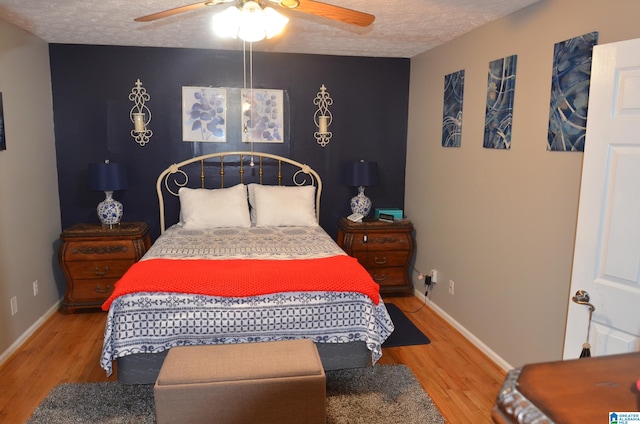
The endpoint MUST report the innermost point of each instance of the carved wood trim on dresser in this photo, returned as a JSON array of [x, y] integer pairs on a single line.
[[94, 257]]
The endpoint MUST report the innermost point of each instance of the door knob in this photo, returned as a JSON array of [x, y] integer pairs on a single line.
[[582, 298]]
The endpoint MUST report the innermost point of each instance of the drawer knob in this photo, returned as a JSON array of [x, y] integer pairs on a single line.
[[97, 271], [107, 289], [377, 277], [380, 261]]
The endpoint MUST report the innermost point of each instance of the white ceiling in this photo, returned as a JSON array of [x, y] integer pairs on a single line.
[[403, 28]]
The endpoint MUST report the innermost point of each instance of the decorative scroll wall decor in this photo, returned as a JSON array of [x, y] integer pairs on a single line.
[[140, 114], [322, 116], [204, 114], [570, 93], [500, 93], [264, 118], [452, 112]]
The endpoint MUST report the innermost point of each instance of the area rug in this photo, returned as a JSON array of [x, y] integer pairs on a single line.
[[405, 333], [380, 394]]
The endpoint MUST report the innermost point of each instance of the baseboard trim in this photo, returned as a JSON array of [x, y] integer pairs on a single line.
[[466, 333], [27, 334]]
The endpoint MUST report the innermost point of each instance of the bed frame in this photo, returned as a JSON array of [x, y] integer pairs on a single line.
[[226, 169], [177, 175]]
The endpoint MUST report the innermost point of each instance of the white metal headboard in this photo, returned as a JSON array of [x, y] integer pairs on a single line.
[[241, 160]]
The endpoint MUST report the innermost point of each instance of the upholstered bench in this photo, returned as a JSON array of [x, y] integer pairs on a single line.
[[270, 382]]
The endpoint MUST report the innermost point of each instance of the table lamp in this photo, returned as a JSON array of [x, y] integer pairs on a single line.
[[362, 174], [108, 177]]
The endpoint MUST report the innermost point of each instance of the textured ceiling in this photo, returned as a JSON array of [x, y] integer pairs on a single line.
[[401, 29]]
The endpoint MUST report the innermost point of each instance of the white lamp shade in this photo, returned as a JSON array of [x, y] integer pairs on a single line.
[[226, 23], [274, 22], [251, 23]]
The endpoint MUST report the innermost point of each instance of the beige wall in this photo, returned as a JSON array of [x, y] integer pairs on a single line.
[[29, 206], [501, 224]]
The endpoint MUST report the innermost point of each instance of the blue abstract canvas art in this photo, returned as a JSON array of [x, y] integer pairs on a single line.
[[499, 113], [570, 81], [452, 112]]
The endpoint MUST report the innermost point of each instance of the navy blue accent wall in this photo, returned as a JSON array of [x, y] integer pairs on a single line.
[[91, 85]]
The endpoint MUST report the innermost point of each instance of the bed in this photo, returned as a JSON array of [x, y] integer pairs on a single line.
[[245, 261]]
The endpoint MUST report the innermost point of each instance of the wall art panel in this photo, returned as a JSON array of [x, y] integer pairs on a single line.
[[204, 114], [263, 116], [500, 93], [452, 112], [570, 80]]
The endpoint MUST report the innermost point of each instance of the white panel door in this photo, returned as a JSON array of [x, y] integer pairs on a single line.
[[606, 259]]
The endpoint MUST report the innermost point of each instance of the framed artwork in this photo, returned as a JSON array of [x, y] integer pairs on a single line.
[[204, 114], [501, 85], [263, 115], [452, 112], [571, 76], [3, 140]]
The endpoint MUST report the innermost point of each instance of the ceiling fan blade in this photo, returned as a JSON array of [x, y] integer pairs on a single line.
[[330, 11], [171, 12]]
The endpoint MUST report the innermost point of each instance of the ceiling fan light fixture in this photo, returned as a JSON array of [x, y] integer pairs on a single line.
[[274, 22], [251, 23], [226, 23], [290, 4]]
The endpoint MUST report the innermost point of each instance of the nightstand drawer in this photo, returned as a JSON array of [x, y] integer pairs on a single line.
[[92, 290], [387, 258], [97, 250], [373, 241], [388, 276], [99, 269]]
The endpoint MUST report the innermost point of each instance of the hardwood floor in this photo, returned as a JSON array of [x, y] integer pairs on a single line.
[[461, 380]]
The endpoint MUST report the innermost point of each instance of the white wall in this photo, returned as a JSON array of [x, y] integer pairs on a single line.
[[29, 206], [501, 223]]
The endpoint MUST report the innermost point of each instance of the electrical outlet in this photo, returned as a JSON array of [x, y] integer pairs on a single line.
[[14, 305], [35, 288], [434, 276], [451, 286]]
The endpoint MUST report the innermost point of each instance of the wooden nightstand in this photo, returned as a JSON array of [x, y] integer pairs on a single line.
[[384, 249], [94, 257]]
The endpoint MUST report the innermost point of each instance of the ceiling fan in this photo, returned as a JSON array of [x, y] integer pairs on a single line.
[[325, 10]]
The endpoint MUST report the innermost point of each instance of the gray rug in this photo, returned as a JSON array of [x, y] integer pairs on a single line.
[[381, 394]]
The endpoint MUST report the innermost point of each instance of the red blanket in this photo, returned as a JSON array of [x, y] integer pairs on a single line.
[[243, 277]]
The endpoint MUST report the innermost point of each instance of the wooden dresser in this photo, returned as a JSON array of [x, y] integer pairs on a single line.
[[576, 391], [384, 249], [94, 257]]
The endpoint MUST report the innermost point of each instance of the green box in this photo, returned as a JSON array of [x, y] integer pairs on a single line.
[[396, 213]]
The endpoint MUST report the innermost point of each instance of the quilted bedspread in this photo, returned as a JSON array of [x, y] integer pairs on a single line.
[[153, 321]]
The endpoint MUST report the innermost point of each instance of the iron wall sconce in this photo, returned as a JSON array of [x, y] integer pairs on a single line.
[[322, 117], [140, 114]]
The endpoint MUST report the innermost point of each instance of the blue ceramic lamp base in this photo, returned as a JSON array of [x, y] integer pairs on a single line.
[[360, 203], [110, 210]]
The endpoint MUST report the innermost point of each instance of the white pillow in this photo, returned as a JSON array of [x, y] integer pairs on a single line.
[[283, 206], [224, 207]]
